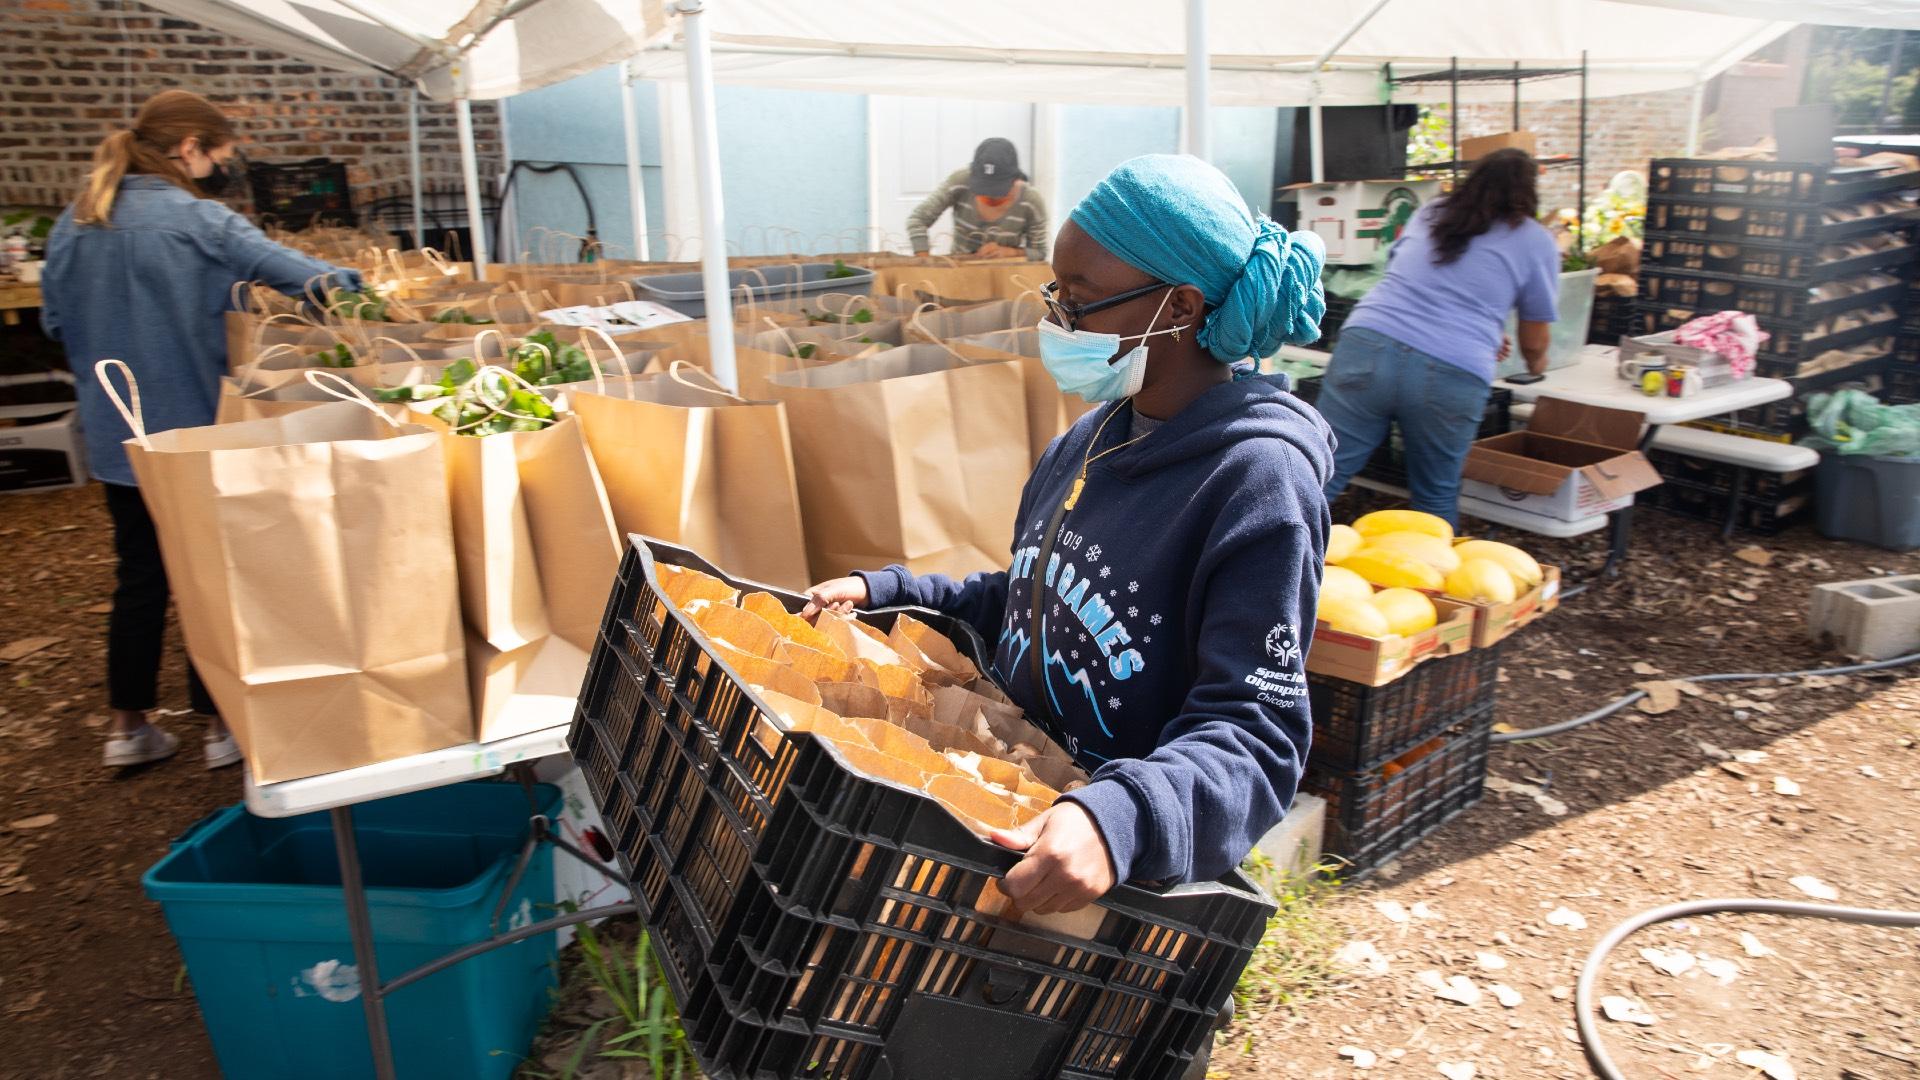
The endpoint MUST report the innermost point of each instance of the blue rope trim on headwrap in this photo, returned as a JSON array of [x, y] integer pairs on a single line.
[[1182, 221]]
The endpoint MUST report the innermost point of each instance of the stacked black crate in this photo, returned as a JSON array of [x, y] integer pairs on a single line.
[[1903, 377], [1823, 259], [1395, 762]]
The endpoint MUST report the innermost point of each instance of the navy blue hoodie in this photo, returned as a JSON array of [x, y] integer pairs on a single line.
[[1178, 608]]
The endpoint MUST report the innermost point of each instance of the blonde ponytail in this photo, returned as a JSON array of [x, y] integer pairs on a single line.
[[164, 122]]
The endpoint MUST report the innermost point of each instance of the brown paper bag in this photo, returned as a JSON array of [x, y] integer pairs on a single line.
[[914, 456], [537, 554], [685, 587], [963, 285], [790, 626], [703, 469], [1050, 410], [316, 584]]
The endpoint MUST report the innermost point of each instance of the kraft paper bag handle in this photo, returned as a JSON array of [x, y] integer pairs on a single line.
[[260, 329], [493, 309], [404, 347], [479, 354], [904, 292], [713, 385], [132, 414], [793, 347], [439, 262], [764, 287], [914, 320], [260, 357], [599, 379], [334, 386], [1017, 303], [319, 300], [508, 375], [1019, 281]]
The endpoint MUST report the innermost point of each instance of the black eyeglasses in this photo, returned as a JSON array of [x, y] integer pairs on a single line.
[[1069, 315]]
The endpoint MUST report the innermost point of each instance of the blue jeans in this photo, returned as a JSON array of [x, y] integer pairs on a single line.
[[1374, 382]]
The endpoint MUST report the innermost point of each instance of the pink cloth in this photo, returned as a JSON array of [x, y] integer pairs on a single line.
[[1733, 334]]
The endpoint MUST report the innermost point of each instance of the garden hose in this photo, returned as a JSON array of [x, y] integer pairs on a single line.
[[1608, 710], [1597, 1055]]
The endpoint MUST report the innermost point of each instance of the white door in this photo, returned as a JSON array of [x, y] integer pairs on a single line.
[[919, 142]]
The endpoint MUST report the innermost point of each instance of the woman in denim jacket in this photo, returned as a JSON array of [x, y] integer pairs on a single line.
[[139, 269]]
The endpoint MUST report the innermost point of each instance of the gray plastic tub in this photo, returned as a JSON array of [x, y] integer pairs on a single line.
[[682, 292], [1873, 500]]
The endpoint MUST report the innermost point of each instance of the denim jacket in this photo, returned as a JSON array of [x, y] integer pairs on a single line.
[[151, 289]]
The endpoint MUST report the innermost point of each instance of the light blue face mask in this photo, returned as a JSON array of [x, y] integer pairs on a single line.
[[1088, 365]]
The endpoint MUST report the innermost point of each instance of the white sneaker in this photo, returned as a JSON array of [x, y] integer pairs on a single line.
[[145, 745], [222, 751]]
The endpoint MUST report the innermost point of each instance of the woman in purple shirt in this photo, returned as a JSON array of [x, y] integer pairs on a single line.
[[1420, 349]]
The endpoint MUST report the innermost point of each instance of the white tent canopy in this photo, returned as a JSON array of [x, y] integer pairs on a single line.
[[1887, 14], [1132, 52], [498, 47]]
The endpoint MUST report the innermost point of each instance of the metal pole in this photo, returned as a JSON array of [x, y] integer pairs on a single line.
[[1317, 138], [1199, 124], [1453, 118], [413, 164], [1693, 116], [1516, 95], [470, 174], [360, 929], [1580, 205], [706, 158], [636, 186]]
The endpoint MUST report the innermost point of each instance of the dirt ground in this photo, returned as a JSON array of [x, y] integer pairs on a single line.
[[1656, 809]]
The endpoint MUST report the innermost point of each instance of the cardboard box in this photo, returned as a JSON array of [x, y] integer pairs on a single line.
[[40, 448], [1357, 218], [1475, 149], [1494, 623], [1572, 461], [1379, 661]]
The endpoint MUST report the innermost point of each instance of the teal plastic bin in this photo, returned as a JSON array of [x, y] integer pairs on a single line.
[[255, 905]]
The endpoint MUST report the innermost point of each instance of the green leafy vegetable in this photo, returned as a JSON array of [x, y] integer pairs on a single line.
[[461, 317], [337, 357], [544, 360], [491, 404], [365, 305], [841, 270], [805, 350]]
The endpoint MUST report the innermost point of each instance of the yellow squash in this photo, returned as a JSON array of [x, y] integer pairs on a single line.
[[1406, 611], [1342, 541], [1394, 570], [1351, 616], [1518, 563], [1340, 581], [1426, 547], [1482, 581], [1381, 522]]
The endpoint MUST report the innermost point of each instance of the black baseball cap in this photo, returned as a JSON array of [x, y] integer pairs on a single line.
[[996, 165]]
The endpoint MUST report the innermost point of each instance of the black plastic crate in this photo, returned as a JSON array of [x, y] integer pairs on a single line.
[[1719, 476], [1612, 320], [1338, 309], [866, 950], [1377, 813], [1750, 182], [299, 192], [1359, 727], [1777, 300], [696, 778], [1762, 517], [1903, 386], [1765, 260], [1775, 368], [1786, 341], [1781, 224]]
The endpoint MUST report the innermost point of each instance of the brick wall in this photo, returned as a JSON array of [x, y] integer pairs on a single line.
[[73, 70], [1622, 133]]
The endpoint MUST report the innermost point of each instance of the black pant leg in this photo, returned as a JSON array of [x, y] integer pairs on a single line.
[[137, 627]]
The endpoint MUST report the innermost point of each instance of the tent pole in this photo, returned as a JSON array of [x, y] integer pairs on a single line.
[[1317, 137], [706, 161], [1199, 124], [470, 175], [1693, 115], [413, 168], [636, 186]]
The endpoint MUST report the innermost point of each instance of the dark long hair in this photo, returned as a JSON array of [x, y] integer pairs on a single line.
[[1500, 188]]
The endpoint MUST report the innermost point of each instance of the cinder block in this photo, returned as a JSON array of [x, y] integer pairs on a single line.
[[1294, 844], [1874, 618]]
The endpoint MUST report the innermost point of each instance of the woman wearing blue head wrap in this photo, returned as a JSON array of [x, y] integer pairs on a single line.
[[1167, 555]]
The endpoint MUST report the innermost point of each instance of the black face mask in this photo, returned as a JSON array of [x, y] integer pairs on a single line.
[[224, 178]]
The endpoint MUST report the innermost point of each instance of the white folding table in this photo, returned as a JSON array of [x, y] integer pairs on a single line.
[[1594, 380], [338, 792]]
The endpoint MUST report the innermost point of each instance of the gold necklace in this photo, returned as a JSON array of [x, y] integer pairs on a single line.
[[1087, 460]]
